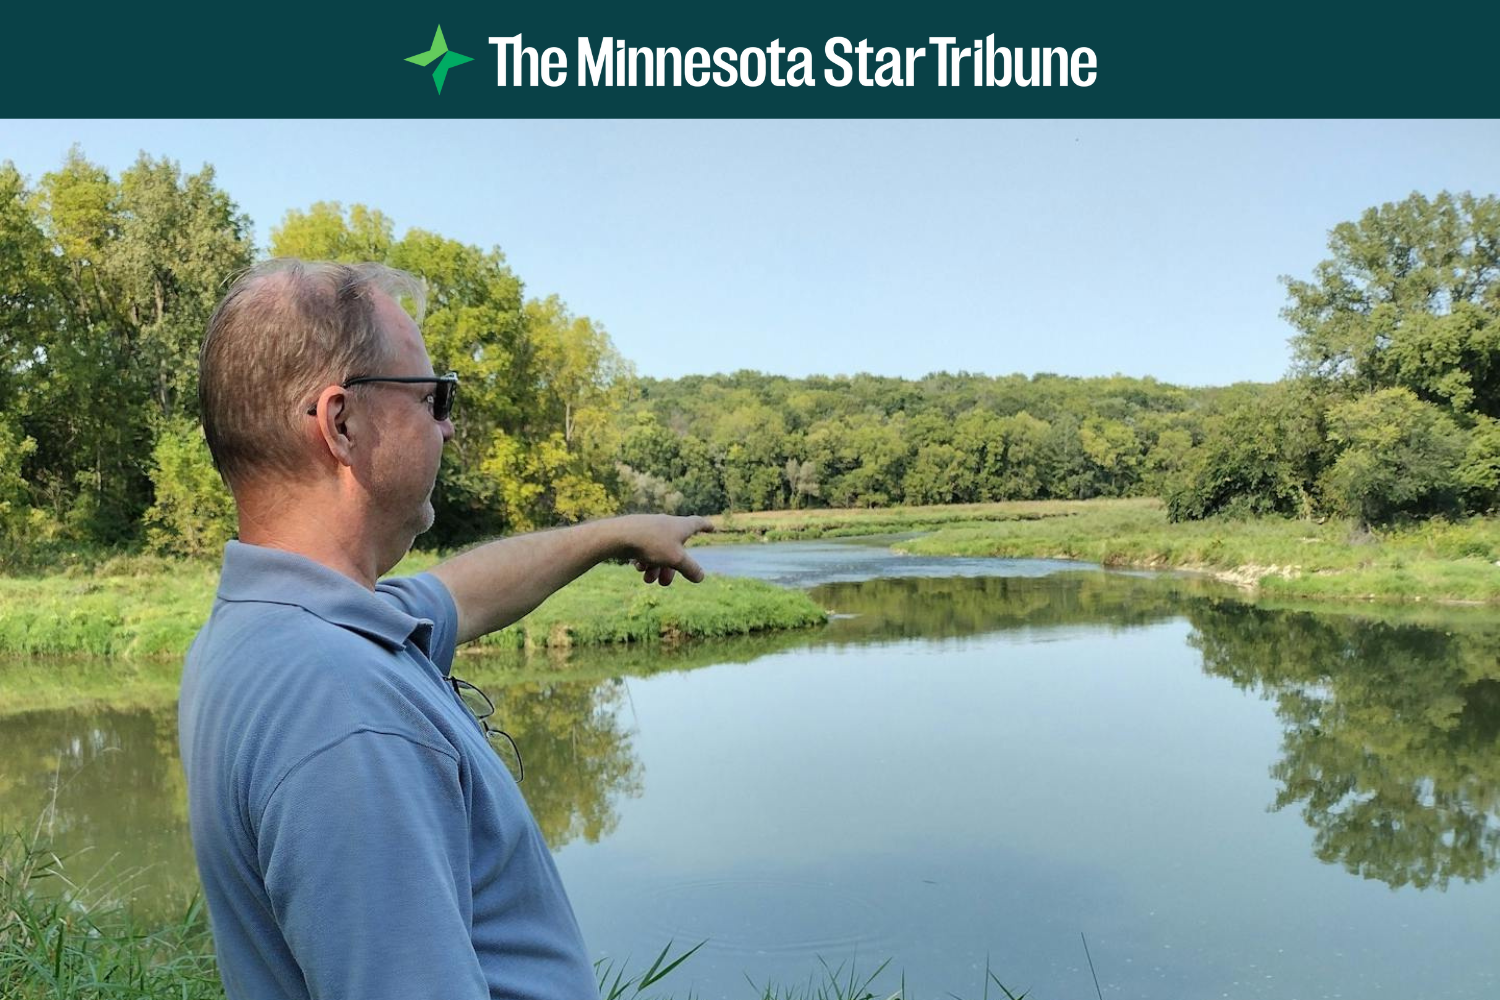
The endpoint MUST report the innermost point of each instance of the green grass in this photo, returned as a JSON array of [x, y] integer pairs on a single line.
[[143, 609], [611, 605], [134, 607], [60, 939], [1431, 561], [795, 525]]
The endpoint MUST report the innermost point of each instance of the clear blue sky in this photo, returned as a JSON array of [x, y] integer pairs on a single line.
[[1085, 248]]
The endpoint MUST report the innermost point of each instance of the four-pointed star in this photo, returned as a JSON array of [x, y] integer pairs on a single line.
[[439, 49]]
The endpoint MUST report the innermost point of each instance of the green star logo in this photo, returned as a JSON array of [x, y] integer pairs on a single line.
[[446, 60]]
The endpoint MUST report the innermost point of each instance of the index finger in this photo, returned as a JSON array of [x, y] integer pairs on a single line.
[[689, 568]]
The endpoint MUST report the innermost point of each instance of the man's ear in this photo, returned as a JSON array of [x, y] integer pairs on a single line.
[[332, 416]]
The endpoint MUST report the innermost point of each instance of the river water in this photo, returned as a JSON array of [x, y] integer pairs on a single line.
[[978, 763]]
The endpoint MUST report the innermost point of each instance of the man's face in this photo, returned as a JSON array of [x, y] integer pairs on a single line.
[[407, 443]]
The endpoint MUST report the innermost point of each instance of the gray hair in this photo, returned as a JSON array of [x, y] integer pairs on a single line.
[[286, 329]]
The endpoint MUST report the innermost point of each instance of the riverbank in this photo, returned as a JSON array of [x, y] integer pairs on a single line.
[[148, 608], [852, 522], [1439, 561], [145, 608]]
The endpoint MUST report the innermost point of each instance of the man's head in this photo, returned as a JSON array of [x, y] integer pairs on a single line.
[[278, 418]]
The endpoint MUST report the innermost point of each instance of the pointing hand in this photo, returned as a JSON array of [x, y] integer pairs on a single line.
[[656, 546]]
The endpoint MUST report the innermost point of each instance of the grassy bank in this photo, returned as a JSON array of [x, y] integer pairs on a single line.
[[1432, 561], [798, 525], [145, 608], [39, 684]]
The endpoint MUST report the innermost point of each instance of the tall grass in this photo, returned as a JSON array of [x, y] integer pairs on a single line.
[[131, 608], [60, 940]]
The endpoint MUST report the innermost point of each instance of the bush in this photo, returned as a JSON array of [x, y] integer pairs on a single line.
[[1479, 474], [1260, 457], [1399, 456], [193, 514]]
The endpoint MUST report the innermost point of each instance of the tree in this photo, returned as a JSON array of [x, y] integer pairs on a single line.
[[178, 240], [536, 440], [1479, 474], [1398, 455], [193, 513], [85, 405], [326, 232], [1115, 450], [107, 288], [1025, 457], [802, 481], [17, 516], [1260, 455], [1410, 298], [934, 476]]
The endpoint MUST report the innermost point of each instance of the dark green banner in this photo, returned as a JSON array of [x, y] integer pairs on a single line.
[[788, 60]]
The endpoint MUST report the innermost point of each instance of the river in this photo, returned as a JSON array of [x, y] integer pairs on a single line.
[[977, 763]]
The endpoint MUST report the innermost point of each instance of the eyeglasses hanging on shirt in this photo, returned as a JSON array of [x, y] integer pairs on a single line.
[[481, 707]]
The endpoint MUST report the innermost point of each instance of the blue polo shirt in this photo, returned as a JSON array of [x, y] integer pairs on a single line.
[[355, 833]]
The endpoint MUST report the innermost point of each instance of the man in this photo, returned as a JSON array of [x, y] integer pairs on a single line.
[[356, 833]]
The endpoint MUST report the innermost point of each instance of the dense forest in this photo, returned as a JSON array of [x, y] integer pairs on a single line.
[[1390, 409]]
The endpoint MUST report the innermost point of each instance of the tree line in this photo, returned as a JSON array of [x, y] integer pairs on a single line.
[[1389, 411], [1391, 408], [106, 286]]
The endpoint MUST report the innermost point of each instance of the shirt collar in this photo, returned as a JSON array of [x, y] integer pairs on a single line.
[[275, 576]]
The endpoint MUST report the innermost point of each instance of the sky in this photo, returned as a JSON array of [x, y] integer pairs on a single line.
[[896, 248]]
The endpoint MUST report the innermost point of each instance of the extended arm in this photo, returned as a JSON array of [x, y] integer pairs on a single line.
[[501, 582]]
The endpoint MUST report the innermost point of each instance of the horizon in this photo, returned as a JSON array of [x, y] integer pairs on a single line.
[[1032, 377]]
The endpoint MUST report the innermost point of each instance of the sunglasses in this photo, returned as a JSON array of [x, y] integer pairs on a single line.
[[444, 388]]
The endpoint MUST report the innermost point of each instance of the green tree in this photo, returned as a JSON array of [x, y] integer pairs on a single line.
[[536, 437], [1114, 449], [934, 475], [193, 514], [650, 448], [702, 479], [1479, 474], [17, 517], [803, 481], [1260, 455], [86, 406], [107, 288], [1398, 455], [1410, 298], [327, 232], [1025, 457], [979, 443], [178, 239]]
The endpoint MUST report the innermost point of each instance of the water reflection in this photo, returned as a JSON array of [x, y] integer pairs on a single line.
[[581, 743], [882, 610], [1392, 733], [106, 789], [1391, 746]]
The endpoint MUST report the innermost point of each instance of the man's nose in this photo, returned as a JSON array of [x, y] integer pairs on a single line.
[[447, 430]]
